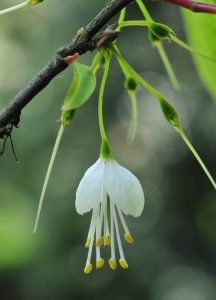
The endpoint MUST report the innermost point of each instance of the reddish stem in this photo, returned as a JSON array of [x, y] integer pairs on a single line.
[[199, 7]]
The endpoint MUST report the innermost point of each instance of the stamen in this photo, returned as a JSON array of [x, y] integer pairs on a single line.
[[88, 269], [112, 260], [128, 238], [122, 260], [127, 235], [87, 244], [99, 260], [99, 241], [107, 241], [112, 263], [99, 238], [123, 263], [106, 225], [88, 266], [100, 263]]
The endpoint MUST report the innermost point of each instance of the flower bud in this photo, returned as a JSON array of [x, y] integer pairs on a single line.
[[160, 30], [130, 84], [169, 113]]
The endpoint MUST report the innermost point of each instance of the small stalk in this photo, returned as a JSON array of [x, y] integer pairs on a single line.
[[168, 111], [198, 158], [168, 66], [133, 122], [190, 49], [49, 170], [13, 8]]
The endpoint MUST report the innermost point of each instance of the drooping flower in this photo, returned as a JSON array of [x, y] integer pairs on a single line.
[[110, 191]]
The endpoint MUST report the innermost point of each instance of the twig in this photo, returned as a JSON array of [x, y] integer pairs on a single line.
[[80, 44], [198, 7]]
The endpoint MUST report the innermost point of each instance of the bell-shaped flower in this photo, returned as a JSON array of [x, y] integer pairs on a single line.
[[110, 191]]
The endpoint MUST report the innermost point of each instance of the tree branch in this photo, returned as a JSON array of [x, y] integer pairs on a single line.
[[11, 115], [198, 7]]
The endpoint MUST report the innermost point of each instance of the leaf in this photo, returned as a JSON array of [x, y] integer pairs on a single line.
[[201, 33], [83, 85]]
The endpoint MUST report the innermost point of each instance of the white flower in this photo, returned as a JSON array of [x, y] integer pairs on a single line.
[[108, 190]]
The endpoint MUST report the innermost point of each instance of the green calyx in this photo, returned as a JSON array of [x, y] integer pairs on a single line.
[[34, 2], [67, 116], [105, 151], [169, 113], [130, 84], [159, 31]]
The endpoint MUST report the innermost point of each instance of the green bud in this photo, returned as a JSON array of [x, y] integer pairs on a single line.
[[169, 113], [34, 2], [67, 116], [160, 30], [130, 84]]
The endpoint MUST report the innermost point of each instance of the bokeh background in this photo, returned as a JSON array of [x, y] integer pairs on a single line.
[[173, 257]]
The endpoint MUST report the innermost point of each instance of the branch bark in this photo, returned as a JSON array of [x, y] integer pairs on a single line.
[[197, 7], [11, 115]]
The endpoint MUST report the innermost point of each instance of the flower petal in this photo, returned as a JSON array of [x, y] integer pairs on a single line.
[[89, 190], [123, 188]]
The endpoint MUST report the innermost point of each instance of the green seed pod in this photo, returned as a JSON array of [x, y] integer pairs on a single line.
[[169, 113], [161, 31], [130, 84]]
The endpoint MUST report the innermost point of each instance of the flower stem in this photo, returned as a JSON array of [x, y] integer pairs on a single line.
[[168, 66], [105, 147], [13, 8], [133, 121], [122, 15], [134, 23], [49, 170], [135, 75], [200, 161], [144, 10], [121, 18], [188, 48], [97, 62], [160, 99], [101, 96]]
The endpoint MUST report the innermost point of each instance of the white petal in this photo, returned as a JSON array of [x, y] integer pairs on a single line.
[[89, 190], [123, 188]]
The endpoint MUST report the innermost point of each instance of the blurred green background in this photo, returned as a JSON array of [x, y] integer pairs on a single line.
[[173, 257]]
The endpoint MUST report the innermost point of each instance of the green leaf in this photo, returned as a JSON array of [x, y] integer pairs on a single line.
[[83, 85], [201, 33]]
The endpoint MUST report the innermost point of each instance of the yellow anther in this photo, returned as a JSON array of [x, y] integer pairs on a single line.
[[107, 241], [88, 269], [123, 263], [128, 238], [112, 263], [99, 242], [87, 244], [100, 263]]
